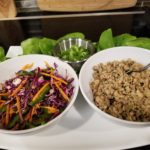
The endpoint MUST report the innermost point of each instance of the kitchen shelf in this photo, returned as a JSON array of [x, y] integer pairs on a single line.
[[28, 10], [47, 15]]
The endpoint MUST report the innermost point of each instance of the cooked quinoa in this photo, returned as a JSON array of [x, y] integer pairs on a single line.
[[122, 95]]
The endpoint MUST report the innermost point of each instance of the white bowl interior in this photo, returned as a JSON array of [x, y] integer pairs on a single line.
[[10, 67], [118, 53]]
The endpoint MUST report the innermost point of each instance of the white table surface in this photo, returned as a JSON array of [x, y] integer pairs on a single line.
[[81, 128]]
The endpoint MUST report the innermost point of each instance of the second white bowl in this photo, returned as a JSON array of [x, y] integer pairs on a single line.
[[118, 53]]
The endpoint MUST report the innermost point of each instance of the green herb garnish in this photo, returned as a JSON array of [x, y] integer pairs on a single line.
[[75, 53]]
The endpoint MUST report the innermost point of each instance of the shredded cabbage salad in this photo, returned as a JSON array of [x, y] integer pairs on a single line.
[[33, 97]]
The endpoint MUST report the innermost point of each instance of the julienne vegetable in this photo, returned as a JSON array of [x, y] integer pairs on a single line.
[[122, 39], [31, 46], [32, 98], [44, 45], [72, 35], [139, 42], [107, 40], [75, 53], [2, 54], [36, 45]]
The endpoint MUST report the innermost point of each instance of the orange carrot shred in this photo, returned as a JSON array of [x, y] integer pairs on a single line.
[[2, 101], [33, 112], [7, 114], [40, 91], [50, 109], [61, 91], [27, 66], [3, 94], [3, 119], [11, 112], [19, 87], [19, 108], [54, 77], [28, 115]]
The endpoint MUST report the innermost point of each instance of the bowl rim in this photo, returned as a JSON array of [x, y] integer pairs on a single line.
[[70, 104], [98, 110], [79, 61]]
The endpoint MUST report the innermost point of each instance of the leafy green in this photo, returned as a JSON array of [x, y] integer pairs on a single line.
[[95, 44], [2, 108], [24, 73], [106, 40], [16, 119], [72, 35], [75, 53], [41, 96], [46, 45], [13, 121], [139, 42], [31, 46], [2, 54], [120, 40]]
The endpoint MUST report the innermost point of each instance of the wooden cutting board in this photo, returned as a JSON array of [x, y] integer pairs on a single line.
[[84, 5], [7, 9]]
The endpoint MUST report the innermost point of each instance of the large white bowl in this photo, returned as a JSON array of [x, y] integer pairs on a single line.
[[10, 67], [118, 53]]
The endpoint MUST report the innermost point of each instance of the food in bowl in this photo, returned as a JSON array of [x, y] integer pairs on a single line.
[[75, 53], [34, 97], [122, 95]]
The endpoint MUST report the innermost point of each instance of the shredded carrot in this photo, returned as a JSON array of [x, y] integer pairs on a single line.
[[61, 91], [59, 79], [50, 109], [40, 91], [54, 77], [27, 66], [33, 112], [37, 106], [11, 112], [1, 105], [51, 71], [47, 64], [28, 115], [2, 101], [3, 94], [19, 108], [7, 114], [3, 119], [19, 87]]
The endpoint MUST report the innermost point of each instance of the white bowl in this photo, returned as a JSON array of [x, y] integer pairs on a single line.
[[9, 67], [118, 53]]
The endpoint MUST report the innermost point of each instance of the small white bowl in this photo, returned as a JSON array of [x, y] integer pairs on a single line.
[[118, 53], [9, 67]]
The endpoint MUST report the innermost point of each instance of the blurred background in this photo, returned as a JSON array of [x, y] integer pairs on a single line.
[[28, 20]]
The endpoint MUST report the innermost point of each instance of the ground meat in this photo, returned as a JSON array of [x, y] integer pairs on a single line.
[[122, 95]]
